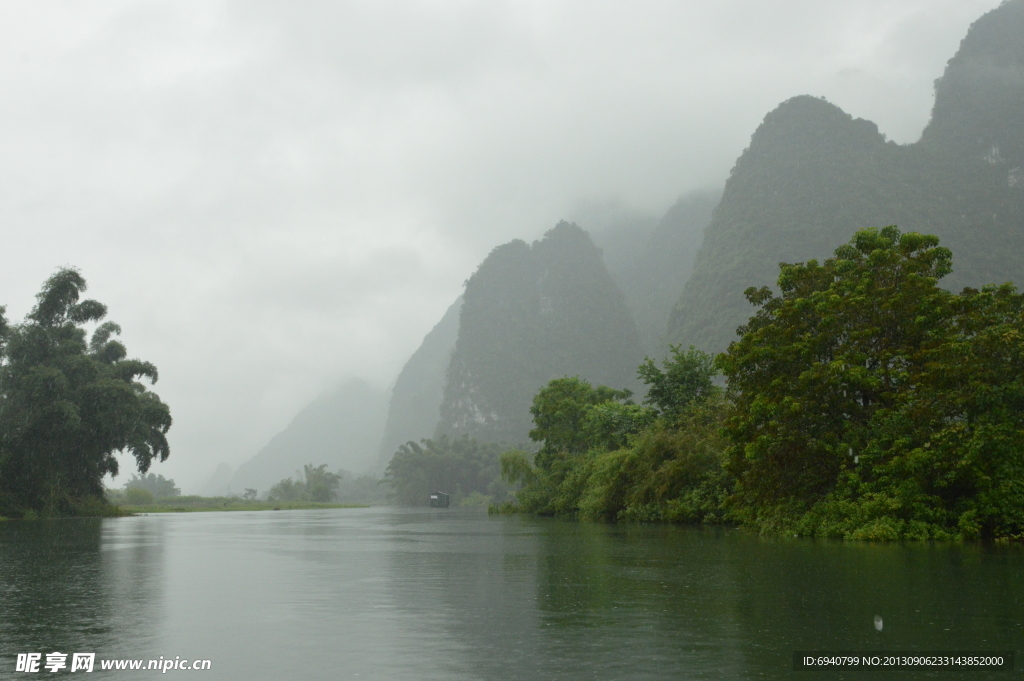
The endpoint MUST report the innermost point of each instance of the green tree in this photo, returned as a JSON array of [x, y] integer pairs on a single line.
[[288, 490], [610, 425], [3, 331], [948, 458], [459, 466], [316, 484], [870, 403], [671, 471], [687, 376], [815, 364], [159, 486], [561, 411], [321, 484], [67, 405]]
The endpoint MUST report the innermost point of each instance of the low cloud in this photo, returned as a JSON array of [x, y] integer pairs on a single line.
[[273, 196]]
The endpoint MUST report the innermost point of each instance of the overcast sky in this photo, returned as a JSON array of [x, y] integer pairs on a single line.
[[273, 196]]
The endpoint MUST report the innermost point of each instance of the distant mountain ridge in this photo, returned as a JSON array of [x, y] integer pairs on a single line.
[[649, 261], [532, 313], [650, 258], [813, 174], [341, 429]]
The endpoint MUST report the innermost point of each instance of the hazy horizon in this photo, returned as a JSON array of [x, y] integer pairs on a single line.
[[273, 198]]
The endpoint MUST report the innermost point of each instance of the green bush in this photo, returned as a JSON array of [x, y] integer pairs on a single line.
[[670, 470]]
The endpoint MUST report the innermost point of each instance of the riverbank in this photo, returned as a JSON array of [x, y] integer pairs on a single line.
[[194, 504]]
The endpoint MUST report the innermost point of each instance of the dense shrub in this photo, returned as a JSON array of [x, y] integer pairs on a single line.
[[461, 467]]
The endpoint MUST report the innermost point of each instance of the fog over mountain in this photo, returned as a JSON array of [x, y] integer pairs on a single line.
[[660, 265], [813, 174], [273, 198], [341, 429]]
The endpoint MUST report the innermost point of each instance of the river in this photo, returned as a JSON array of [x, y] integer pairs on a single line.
[[394, 594]]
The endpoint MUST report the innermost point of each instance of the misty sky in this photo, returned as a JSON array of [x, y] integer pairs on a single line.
[[273, 196]]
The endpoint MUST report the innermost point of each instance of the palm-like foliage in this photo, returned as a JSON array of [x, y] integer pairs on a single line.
[[68, 405]]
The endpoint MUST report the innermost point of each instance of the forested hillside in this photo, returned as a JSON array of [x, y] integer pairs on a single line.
[[813, 174], [864, 402], [530, 314]]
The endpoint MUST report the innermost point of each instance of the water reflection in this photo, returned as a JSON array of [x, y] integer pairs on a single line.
[[406, 594], [471, 580], [814, 595], [81, 585], [569, 600]]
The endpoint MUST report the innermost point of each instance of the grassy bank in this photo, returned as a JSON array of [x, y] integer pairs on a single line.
[[82, 507], [191, 504]]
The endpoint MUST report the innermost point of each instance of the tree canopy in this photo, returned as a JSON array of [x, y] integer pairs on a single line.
[[863, 401], [870, 402], [461, 466], [157, 485], [68, 404], [683, 378], [563, 415], [316, 484], [603, 457]]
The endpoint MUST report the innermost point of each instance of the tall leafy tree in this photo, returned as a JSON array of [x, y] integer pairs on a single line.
[[69, 403], [951, 452], [685, 377], [562, 412], [871, 403], [157, 485], [814, 364], [459, 466]]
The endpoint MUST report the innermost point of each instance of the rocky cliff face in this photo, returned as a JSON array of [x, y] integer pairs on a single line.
[[979, 100], [532, 313]]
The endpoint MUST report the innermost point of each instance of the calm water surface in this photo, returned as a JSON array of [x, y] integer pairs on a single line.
[[383, 593]]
